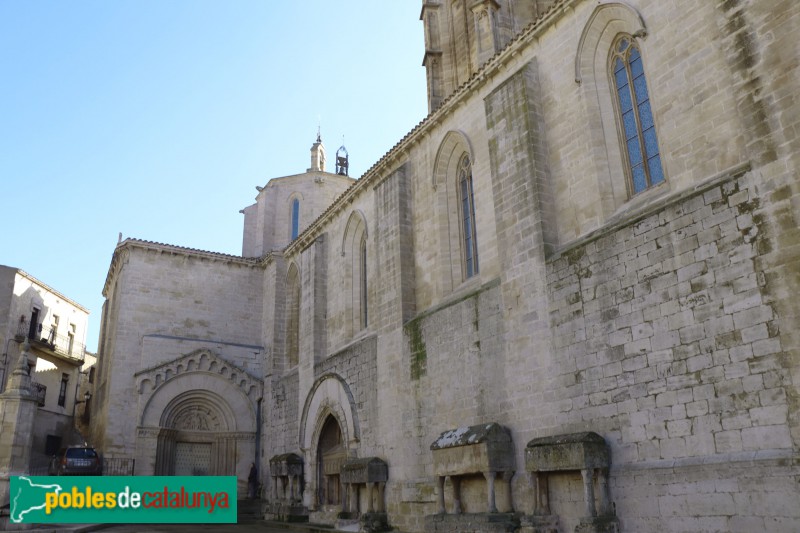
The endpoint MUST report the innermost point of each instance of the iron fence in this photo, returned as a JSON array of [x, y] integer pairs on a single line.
[[40, 470], [112, 466], [118, 466]]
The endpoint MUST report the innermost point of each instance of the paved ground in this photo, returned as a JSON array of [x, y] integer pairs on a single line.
[[248, 527], [219, 528]]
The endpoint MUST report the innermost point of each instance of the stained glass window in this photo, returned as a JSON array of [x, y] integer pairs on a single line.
[[468, 216], [635, 116], [295, 218]]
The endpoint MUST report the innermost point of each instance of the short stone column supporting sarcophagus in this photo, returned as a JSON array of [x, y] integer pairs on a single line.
[[586, 452], [286, 471], [372, 473]]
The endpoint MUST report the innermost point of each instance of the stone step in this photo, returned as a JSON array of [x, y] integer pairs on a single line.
[[249, 510], [300, 528]]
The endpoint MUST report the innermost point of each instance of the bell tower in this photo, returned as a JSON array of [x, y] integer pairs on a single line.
[[317, 155], [342, 161]]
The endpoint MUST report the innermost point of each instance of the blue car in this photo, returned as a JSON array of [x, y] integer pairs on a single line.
[[76, 461]]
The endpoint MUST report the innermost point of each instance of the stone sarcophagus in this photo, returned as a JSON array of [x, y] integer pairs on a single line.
[[485, 449], [575, 451], [364, 471], [371, 473], [586, 452], [286, 471], [287, 464]]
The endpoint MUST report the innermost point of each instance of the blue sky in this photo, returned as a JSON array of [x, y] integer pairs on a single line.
[[157, 118]]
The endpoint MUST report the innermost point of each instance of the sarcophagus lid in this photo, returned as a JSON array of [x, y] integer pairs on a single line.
[[365, 470], [574, 451], [287, 464], [473, 450]]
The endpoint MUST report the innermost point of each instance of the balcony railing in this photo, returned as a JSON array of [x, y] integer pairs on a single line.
[[39, 391], [49, 339]]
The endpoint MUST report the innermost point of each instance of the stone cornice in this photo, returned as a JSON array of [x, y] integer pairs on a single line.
[[51, 290], [124, 248]]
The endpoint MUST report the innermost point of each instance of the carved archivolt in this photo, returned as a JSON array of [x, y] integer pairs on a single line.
[[196, 419], [330, 394], [151, 379]]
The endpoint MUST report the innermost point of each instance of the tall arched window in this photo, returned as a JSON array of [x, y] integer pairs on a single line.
[[363, 280], [354, 252], [468, 237], [295, 219], [635, 115]]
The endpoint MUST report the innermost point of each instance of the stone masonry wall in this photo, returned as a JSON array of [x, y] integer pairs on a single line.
[[283, 417], [666, 342], [451, 376], [357, 365], [167, 303]]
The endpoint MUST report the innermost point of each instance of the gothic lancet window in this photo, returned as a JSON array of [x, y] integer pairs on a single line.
[[469, 240], [295, 219], [637, 128], [354, 252], [363, 281]]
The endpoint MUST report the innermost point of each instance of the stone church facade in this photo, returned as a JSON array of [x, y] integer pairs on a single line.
[[569, 292]]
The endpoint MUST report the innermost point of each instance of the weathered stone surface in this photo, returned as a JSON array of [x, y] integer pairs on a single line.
[[472, 523], [365, 470], [662, 320], [473, 450], [575, 451], [287, 464]]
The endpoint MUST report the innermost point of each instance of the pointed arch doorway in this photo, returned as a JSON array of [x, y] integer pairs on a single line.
[[331, 455], [329, 435]]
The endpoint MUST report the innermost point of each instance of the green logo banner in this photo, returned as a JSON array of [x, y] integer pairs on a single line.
[[123, 499]]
